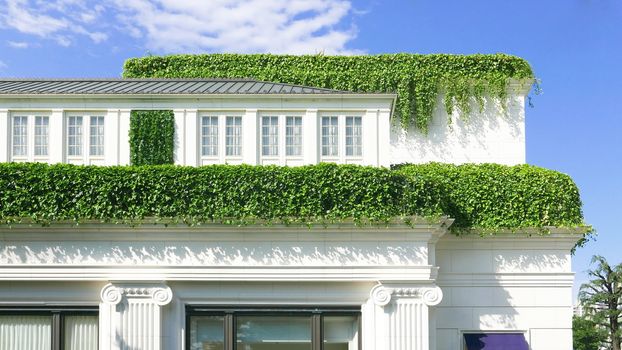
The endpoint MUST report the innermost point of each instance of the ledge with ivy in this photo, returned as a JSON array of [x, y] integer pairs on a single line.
[[486, 198]]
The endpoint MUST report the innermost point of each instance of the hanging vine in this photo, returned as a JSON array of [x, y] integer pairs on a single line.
[[417, 79]]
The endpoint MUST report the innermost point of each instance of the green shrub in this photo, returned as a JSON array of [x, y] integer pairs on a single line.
[[496, 196], [477, 196], [152, 136], [417, 79]]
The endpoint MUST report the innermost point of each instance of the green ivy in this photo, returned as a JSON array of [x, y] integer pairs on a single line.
[[152, 137], [417, 79], [477, 196], [493, 196]]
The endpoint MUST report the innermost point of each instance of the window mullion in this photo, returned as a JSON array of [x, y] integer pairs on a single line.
[[316, 332], [229, 332], [57, 325]]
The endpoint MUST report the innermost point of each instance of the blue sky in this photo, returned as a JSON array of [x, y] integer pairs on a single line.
[[574, 46]]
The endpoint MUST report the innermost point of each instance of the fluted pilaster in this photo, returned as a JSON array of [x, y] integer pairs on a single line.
[[130, 315], [402, 315]]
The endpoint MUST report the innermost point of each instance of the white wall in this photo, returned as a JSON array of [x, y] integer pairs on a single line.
[[506, 283], [492, 136], [373, 109]]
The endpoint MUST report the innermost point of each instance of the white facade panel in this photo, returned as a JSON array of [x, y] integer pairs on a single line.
[[156, 272], [493, 135], [508, 283]]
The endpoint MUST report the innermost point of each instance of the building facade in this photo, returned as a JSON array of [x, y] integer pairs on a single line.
[[107, 286]]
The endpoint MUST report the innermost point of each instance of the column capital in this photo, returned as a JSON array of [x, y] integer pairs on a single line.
[[160, 294], [430, 295]]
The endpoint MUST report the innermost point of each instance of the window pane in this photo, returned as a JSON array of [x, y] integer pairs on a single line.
[[233, 136], [270, 136], [20, 136], [42, 132], [25, 332], [330, 139], [495, 341], [207, 333], [293, 136], [354, 136], [273, 333], [209, 136], [81, 332], [97, 136], [74, 136], [341, 332]]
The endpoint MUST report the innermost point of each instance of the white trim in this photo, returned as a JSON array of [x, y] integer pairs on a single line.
[[420, 273], [86, 157]]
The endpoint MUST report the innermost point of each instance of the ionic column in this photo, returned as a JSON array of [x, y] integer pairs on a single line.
[[130, 315], [402, 316]]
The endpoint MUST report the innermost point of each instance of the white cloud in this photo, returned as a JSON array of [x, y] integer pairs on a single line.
[[284, 26], [278, 26], [53, 20], [18, 44], [3, 65]]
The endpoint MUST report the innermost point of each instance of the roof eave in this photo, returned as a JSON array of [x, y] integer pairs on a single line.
[[241, 95]]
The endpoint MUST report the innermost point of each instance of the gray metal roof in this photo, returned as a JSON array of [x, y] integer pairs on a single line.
[[153, 86]]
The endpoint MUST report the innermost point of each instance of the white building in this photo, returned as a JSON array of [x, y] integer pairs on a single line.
[[105, 286]]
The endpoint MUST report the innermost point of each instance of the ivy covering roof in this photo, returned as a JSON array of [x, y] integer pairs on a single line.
[[416, 79]]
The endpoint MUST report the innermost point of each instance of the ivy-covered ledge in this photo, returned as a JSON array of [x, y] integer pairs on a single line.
[[480, 198]]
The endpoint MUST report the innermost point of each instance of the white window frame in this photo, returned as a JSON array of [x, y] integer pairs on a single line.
[[85, 157], [47, 137], [202, 136], [272, 148], [221, 157], [102, 146], [30, 136], [281, 157], [301, 146], [341, 157]]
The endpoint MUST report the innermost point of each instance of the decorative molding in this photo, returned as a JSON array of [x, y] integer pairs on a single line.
[[295, 273], [111, 294], [382, 295], [159, 294], [432, 296]]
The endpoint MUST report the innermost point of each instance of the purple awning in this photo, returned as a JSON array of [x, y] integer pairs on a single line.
[[496, 341]]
